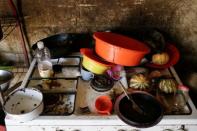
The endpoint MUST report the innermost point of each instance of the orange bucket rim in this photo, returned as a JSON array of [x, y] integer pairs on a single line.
[[84, 52], [146, 51]]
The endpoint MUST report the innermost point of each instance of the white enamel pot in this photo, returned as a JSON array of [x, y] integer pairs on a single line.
[[24, 104]]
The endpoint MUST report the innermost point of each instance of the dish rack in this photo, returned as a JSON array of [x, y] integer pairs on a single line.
[[12, 20]]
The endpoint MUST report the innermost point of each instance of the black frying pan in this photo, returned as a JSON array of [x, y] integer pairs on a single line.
[[61, 45], [149, 104]]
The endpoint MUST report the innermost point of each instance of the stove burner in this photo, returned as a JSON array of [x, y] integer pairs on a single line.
[[101, 83]]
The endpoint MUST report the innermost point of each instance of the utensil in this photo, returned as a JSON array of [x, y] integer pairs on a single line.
[[119, 49], [24, 104], [124, 110], [135, 106]]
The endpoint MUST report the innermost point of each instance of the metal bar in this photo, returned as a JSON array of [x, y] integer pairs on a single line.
[[14, 11], [26, 78]]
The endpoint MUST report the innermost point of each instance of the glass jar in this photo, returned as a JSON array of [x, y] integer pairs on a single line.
[[99, 86], [172, 102]]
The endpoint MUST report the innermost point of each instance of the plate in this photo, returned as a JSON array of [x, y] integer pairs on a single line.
[[174, 57]]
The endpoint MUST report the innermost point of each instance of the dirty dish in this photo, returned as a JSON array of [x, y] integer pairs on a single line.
[[119, 49], [174, 55], [150, 105], [93, 63], [24, 104], [58, 104]]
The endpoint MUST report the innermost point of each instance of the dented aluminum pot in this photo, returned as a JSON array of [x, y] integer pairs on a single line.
[[24, 104]]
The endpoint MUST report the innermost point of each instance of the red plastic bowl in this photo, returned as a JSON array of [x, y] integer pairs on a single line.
[[174, 57], [119, 49]]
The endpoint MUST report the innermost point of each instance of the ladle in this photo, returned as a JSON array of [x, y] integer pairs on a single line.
[[134, 104]]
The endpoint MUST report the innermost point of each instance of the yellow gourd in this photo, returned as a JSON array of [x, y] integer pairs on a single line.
[[160, 58], [168, 86], [139, 81]]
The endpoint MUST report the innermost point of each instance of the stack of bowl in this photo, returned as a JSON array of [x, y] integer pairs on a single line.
[[110, 50]]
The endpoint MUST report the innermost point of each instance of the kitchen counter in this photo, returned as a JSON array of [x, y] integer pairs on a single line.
[[85, 122]]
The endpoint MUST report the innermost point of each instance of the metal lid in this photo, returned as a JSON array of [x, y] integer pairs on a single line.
[[101, 83]]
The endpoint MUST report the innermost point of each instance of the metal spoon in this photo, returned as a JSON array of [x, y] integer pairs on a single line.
[[134, 105]]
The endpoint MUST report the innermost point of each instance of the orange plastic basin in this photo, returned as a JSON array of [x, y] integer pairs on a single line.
[[119, 49]]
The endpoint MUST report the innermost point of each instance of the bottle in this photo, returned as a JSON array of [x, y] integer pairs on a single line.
[[43, 57]]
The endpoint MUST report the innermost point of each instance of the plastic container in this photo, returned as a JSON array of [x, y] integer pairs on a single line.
[[99, 86], [42, 52], [93, 63], [45, 66], [103, 105], [119, 49], [174, 54]]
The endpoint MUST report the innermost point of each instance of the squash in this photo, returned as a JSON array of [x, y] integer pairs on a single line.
[[139, 81], [168, 86], [160, 58]]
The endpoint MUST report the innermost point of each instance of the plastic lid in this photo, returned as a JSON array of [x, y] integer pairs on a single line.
[[40, 45]]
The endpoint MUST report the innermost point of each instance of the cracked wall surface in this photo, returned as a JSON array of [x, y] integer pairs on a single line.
[[43, 18]]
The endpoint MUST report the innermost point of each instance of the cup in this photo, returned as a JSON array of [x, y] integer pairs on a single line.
[[115, 72], [45, 69], [86, 75], [103, 105]]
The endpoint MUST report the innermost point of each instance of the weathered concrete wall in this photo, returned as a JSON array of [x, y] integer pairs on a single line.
[[47, 17]]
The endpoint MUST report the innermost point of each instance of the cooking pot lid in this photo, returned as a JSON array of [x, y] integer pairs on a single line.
[[152, 108], [101, 83]]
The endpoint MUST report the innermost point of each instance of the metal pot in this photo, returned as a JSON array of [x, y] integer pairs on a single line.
[[24, 104], [5, 78], [152, 108]]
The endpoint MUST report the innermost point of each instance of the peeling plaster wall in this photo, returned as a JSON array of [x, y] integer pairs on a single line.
[[47, 17]]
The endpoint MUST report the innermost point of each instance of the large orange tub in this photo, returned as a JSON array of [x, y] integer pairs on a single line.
[[119, 49]]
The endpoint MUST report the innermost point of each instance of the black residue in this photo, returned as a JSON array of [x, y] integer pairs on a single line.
[[23, 90], [148, 104], [39, 85], [8, 98], [18, 103], [22, 111], [35, 104]]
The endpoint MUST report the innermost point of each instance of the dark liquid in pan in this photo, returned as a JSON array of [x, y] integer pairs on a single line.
[[147, 104]]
